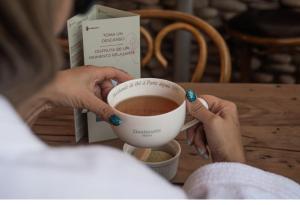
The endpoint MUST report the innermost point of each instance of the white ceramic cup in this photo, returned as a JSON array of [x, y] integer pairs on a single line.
[[150, 131]]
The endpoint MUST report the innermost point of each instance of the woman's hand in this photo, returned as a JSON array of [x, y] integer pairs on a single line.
[[86, 87], [219, 131]]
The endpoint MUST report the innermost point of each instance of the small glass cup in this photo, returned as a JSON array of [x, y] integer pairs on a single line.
[[167, 168]]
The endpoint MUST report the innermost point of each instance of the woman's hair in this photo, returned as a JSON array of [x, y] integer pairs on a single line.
[[29, 55]]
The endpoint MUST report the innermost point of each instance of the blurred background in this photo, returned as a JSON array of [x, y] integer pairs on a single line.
[[254, 62]]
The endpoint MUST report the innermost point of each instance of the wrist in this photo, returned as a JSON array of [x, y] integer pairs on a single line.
[[43, 100], [32, 107], [49, 95], [229, 157]]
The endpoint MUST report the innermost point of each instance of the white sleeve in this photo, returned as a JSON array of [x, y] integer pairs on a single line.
[[30, 169], [235, 180], [83, 172]]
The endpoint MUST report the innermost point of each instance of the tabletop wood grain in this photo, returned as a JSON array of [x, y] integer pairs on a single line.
[[270, 124]]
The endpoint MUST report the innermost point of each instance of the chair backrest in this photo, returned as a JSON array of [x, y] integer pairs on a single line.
[[186, 22], [193, 24]]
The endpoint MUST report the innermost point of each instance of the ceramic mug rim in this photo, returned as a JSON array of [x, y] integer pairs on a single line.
[[109, 98]]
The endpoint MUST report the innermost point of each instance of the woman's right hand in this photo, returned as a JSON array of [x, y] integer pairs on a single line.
[[82, 87], [219, 131]]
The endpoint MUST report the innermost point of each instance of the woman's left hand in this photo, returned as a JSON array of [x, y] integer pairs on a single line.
[[85, 87]]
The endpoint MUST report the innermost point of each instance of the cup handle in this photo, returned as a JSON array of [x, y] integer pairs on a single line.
[[194, 121]]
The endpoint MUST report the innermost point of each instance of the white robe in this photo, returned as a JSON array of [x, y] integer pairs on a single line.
[[31, 169]]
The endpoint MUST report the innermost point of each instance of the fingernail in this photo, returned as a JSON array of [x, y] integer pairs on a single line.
[[115, 120], [190, 95], [202, 153], [205, 156]]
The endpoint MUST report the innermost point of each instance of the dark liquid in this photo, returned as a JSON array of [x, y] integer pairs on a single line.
[[146, 105]]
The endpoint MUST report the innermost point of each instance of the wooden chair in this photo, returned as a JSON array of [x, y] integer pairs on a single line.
[[270, 31], [267, 44], [186, 22], [192, 24]]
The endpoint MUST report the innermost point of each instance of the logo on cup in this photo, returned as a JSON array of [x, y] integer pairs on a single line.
[[146, 133]]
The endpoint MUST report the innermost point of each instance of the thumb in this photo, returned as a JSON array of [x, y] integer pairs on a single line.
[[198, 107], [103, 110]]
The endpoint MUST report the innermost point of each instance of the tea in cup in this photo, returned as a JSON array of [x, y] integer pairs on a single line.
[[152, 111]]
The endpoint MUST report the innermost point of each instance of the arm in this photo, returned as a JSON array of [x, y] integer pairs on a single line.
[[219, 133], [219, 136], [83, 87], [228, 180]]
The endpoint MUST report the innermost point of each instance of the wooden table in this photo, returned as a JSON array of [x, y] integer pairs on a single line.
[[270, 123]]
